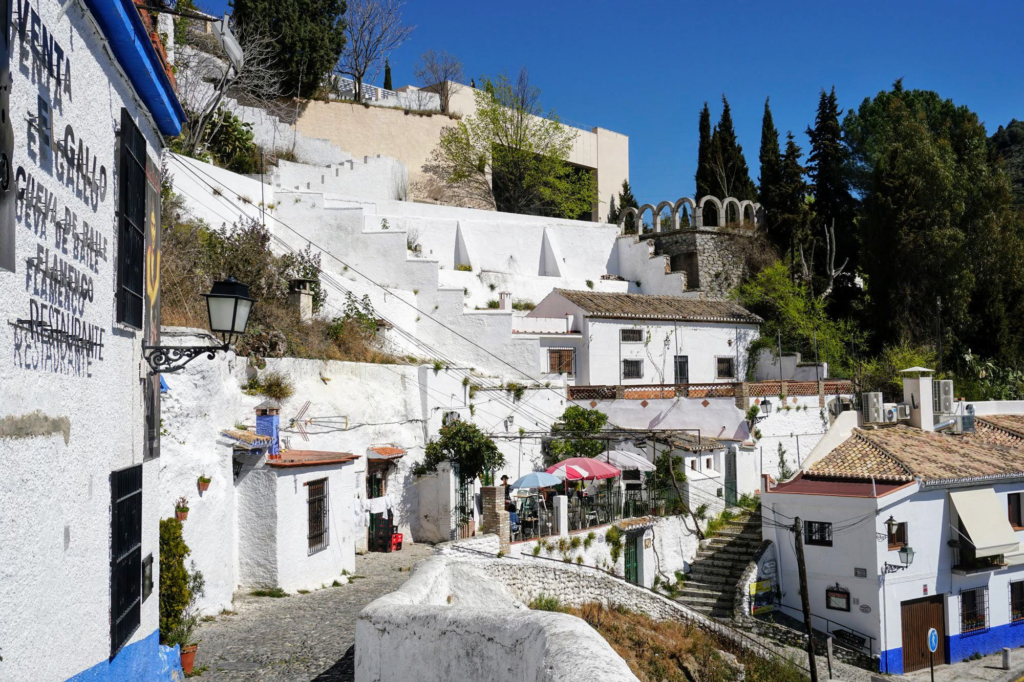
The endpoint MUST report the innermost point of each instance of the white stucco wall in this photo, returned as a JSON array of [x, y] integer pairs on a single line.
[[798, 429], [298, 569], [67, 418]]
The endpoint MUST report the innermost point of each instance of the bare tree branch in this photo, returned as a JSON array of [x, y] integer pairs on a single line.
[[831, 271], [440, 72], [373, 29]]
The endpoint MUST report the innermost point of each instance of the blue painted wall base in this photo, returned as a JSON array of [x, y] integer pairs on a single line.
[[962, 647], [144, 661]]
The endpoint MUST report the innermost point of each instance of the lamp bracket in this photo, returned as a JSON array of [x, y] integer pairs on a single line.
[[892, 568], [168, 359]]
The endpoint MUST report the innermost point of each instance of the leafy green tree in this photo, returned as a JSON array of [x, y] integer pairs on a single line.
[[309, 35], [1007, 145], [704, 177], [937, 224], [626, 200], [828, 168], [785, 472], [465, 446], [387, 75], [510, 156], [786, 308], [730, 176], [572, 430]]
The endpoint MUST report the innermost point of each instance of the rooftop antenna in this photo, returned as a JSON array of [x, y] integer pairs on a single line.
[[297, 422]]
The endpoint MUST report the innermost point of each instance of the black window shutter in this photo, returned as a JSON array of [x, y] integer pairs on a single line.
[[131, 236], [125, 555]]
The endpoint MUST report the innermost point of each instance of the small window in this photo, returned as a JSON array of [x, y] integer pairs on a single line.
[[818, 533], [317, 510], [631, 335], [898, 536], [632, 369], [837, 598], [693, 464], [974, 610], [707, 463], [726, 368], [1013, 510], [561, 361], [1017, 601]]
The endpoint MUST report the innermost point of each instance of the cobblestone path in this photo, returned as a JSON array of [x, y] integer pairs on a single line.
[[304, 636]]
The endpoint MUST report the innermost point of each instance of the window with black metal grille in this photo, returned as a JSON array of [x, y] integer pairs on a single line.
[[125, 555], [317, 509]]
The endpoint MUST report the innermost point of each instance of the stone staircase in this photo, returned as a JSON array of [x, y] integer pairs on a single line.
[[711, 584]]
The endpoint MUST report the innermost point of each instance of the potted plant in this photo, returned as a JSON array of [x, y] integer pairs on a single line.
[[181, 509], [184, 633], [204, 483]]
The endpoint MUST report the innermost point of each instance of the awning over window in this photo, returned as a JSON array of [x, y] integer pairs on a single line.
[[986, 522]]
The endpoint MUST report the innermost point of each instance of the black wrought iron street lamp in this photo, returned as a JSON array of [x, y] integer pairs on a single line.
[[765, 409], [906, 551], [228, 305]]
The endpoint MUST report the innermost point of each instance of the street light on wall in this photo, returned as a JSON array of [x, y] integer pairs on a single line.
[[228, 306], [906, 553]]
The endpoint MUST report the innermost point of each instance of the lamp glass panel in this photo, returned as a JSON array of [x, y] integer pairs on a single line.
[[242, 316], [221, 310]]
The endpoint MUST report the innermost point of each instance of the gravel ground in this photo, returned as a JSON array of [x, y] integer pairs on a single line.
[[303, 636]]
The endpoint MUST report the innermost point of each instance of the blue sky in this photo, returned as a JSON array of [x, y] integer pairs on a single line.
[[645, 68]]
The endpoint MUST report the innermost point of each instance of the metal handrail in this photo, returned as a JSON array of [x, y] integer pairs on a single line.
[[870, 646]]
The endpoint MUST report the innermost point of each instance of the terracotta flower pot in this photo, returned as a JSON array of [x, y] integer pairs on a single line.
[[181, 515], [204, 486], [188, 658]]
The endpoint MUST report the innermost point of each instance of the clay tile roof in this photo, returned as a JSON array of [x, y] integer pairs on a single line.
[[901, 452], [690, 442], [247, 439], [1000, 429], [386, 452], [638, 306], [309, 458]]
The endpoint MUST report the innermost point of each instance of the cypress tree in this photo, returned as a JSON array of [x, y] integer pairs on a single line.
[[387, 75], [791, 212], [626, 199], [731, 175], [827, 167], [704, 176], [769, 156]]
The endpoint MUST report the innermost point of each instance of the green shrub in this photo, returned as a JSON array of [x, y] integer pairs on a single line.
[[174, 588], [273, 592], [544, 602], [589, 540], [590, 284], [575, 542], [462, 267], [492, 304], [536, 550], [273, 385], [523, 304]]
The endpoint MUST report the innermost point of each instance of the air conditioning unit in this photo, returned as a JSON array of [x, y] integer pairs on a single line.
[[872, 407], [890, 413], [943, 398], [903, 411]]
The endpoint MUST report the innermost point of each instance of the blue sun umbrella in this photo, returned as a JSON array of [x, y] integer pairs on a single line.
[[537, 479]]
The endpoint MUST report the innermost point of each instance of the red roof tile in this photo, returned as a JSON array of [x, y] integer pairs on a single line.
[[387, 451], [309, 458]]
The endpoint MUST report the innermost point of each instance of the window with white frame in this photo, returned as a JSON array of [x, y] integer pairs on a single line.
[[725, 368], [974, 610], [632, 369], [631, 335], [1017, 601]]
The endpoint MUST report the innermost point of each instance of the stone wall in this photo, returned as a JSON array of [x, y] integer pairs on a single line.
[[711, 259]]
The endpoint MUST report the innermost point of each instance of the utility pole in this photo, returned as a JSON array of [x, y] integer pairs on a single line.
[[805, 597]]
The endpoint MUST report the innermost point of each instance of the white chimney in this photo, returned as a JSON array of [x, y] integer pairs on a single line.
[[300, 298], [504, 300], [917, 392]]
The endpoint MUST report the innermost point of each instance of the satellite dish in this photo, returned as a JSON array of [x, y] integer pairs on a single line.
[[229, 43]]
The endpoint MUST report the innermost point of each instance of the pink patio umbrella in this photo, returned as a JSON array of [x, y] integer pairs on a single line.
[[583, 468]]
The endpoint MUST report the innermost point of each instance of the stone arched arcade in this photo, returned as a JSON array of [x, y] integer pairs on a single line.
[[749, 213]]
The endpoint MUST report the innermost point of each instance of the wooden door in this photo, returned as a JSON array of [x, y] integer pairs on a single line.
[[919, 616], [631, 564]]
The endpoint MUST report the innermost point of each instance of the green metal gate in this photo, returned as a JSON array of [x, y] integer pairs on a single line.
[[632, 568], [730, 476]]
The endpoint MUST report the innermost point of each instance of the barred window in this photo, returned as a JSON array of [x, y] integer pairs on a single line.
[[1017, 601], [632, 369], [317, 510], [726, 368], [131, 239], [974, 610], [561, 361], [125, 555], [631, 335], [818, 533]]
